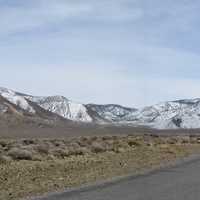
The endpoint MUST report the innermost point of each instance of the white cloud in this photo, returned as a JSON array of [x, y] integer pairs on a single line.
[[110, 51], [43, 13], [98, 84], [39, 14]]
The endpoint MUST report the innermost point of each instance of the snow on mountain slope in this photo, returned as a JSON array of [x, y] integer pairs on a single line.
[[166, 115], [170, 115], [3, 107], [55, 104], [63, 107], [112, 112], [16, 99]]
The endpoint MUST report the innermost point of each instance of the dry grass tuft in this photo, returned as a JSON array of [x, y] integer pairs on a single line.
[[20, 154], [32, 166]]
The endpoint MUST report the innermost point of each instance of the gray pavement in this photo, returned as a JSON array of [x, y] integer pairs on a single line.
[[181, 182]]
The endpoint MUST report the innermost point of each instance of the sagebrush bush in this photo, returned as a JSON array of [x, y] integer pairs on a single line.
[[28, 141], [132, 143], [172, 140], [83, 151], [58, 143], [20, 154], [97, 147], [42, 148], [5, 159], [61, 152], [3, 143], [45, 149]]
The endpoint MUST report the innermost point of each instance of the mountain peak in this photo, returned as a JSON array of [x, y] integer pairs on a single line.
[[165, 115]]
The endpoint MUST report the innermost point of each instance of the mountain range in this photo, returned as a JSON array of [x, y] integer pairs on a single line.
[[178, 114]]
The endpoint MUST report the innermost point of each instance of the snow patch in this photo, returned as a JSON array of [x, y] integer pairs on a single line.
[[20, 101], [63, 107]]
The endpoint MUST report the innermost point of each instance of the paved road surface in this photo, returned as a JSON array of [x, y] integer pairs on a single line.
[[177, 183]]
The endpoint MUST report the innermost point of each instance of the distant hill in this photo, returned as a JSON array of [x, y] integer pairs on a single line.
[[167, 115]]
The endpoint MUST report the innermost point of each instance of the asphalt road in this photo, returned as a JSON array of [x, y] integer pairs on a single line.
[[176, 183]]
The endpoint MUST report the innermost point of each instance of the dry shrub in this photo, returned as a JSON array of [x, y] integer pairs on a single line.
[[28, 142], [124, 144], [37, 158], [184, 140], [94, 138], [194, 139], [72, 151], [106, 138], [172, 140], [74, 148], [5, 159], [78, 151], [155, 141], [119, 150], [109, 146], [109, 142], [133, 143], [58, 143], [84, 141], [198, 140], [84, 151], [20, 154], [97, 147], [50, 157], [1, 149], [164, 146], [42, 148], [13, 145], [3, 143], [61, 152]]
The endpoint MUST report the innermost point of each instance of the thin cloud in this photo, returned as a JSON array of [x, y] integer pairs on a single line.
[[41, 13], [108, 51], [38, 14]]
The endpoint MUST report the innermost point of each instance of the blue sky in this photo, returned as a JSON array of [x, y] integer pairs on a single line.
[[130, 52]]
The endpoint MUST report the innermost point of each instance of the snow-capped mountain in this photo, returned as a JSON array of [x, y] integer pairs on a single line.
[[15, 108], [55, 104], [166, 115], [16, 99], [171, 115], [63, 107], [111, 112]]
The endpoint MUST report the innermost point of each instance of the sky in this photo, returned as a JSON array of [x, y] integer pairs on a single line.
[[129, 52]]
